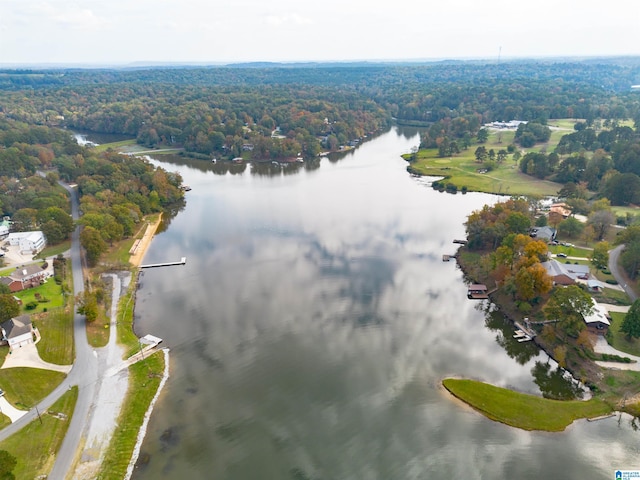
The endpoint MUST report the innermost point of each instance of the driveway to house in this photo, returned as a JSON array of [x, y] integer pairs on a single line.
[[28, 356], [10, 411], [616, 308], [602, 346], [619, 274]]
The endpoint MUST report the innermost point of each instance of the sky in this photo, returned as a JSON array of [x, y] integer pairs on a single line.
[[114, 32]]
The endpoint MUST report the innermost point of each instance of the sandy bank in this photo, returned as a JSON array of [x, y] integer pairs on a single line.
[[143, 245]]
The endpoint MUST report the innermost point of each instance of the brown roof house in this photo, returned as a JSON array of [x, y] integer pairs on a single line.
[[17, 331], [477, 291], [26, 277]]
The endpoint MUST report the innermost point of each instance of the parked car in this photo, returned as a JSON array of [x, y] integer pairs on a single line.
[[561, 255]]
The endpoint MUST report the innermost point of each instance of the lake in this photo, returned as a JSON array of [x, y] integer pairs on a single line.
[[313, 322]]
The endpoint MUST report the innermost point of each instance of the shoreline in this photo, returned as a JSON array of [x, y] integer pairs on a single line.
[[142, 432], [143, 245], [136, 260]]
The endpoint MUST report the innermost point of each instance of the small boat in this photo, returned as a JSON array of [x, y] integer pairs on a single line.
[[186, 188]]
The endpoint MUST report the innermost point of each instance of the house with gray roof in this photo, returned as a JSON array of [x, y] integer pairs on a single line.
[[546, 233], [17, 331]]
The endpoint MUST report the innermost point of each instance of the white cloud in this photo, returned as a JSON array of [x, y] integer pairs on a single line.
[[80, 19], [287, 19]]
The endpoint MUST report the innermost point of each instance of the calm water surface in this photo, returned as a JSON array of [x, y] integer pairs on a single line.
[[313, 323]]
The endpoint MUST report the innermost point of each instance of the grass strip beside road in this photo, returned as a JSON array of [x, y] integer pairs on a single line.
[[36, 445], [56, 330], [520, 410], [144, 380], [24, 387]]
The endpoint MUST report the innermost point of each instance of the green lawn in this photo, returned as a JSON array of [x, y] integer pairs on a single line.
[[618, 340], [56, 331], [126, 337], [55, 250], [565, 123], [519, 410], [24, 387], [144, 381], [36, 445], [464, 171], [50, 297], [115, 145], [571, 251]]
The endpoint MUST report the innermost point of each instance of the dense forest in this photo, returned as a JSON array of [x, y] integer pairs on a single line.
[[283, 112], [272, 112], [116, 191]]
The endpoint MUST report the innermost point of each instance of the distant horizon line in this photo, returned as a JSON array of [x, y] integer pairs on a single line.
[[186, 63]]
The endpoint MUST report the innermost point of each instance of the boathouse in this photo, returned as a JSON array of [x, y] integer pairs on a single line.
[[477, 291]]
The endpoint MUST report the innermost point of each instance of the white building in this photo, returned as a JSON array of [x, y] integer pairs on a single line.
[[28, 242], [17, 331]]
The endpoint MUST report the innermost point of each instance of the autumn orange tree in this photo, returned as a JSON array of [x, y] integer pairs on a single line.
[[489, 226], [517, 264]]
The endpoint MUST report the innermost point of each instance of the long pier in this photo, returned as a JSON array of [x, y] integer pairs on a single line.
[[182, 261]]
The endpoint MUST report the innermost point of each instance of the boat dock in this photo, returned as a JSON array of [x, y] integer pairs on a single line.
[[182, 261], [523, 333]]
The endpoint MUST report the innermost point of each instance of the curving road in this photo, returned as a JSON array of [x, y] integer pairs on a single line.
[[619, 274], [85, 372]]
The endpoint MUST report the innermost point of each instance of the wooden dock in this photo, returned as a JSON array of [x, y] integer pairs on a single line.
[[182, 261], [527, 332]]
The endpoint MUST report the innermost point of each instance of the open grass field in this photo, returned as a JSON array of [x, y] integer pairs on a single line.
[[618, 340], [523, 411], [571, 251], [143, 384], [36, 444], [623, 211], [25, 387], [463, 170], [564, 123], [56, 329], [115, 145]]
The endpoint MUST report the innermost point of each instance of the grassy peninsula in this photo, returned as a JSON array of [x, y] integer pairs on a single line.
[[505, 178], [520, 410]]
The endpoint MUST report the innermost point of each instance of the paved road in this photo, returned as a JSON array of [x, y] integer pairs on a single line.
[[619, 274], [84, 374]]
